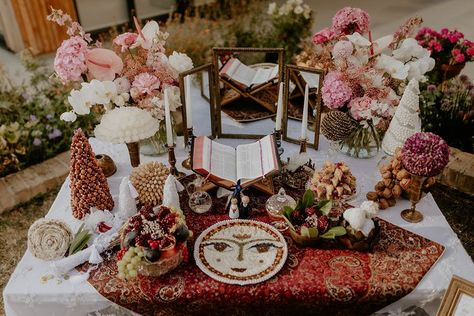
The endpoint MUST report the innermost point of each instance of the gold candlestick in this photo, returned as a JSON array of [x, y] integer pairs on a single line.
[[187, 162], [303, 143], [412, 215], [172, 161]]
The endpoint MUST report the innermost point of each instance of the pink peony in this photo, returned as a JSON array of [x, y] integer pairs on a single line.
[[350, 20], [323, 36], [103, 64], [125, 40], [425, 154], [145, 83], [342, 49], [360, 108], [470, 51], [70, 60], [335, 92]]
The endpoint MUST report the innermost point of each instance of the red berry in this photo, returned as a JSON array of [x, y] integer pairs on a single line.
[[323, 223], [310, 211]]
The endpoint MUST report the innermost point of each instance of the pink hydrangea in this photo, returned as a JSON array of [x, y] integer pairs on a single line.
[[145, 83], [336, 92], [350, 20], [342, 49], [125, 40], [323, 36], [360, 108], [70, 60], [425, 154]]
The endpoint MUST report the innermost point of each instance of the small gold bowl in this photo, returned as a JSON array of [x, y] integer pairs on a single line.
[[106, 164]]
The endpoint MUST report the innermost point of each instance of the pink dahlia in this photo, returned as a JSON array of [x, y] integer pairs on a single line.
[[360, 108], [145, 83], [350, 20], [125, 40], [425, 154], [336, 92], [70, 60], [323, 36]]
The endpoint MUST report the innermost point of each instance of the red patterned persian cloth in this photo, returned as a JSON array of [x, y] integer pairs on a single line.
[[313, 281]]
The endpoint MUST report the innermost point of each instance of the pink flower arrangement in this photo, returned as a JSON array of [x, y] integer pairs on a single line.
[[336, 92], [425, 154], [446, 47], [350, 20], [145, 83], [70, 60], [125, 40]]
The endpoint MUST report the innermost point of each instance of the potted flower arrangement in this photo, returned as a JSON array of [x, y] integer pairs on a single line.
[[309, 221], [134, 73], [450, 50], [152, 243], [361, 81]]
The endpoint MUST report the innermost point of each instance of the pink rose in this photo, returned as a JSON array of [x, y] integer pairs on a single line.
[[459, 58], [125, 40], [103, 64], [323, 36], [470, 51], [360, 108]]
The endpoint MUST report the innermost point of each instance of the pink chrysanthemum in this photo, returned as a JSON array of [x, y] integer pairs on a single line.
[[360, 108], [425, 154], [350, 20], [335, 92], [70, 60], [145, 83]]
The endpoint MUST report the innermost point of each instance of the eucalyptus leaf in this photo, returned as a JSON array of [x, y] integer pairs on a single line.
[[325, 206], [308, 199], [333, 232]]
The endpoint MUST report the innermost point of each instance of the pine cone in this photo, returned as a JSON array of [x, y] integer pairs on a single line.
[[336, 126], [88, 183], [149, 180]]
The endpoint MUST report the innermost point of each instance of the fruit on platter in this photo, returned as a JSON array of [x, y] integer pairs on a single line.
[[334, 181]]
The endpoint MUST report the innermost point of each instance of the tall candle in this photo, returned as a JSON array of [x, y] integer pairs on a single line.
[[169, 130], [279, 108], [187, 94], [304, 122]]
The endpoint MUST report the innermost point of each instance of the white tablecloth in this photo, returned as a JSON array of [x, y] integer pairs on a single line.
[[32, 290]]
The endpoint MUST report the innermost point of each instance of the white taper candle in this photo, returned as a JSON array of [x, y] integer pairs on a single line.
[[279, 113], [169, 129], [304, 122], [187, 96]]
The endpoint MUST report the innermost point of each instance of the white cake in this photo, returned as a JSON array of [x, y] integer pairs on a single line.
[[406, 120]]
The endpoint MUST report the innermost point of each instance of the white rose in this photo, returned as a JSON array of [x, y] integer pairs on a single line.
[[180, 62]]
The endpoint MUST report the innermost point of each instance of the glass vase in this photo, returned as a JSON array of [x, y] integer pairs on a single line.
[[156, 145], [364, 142]]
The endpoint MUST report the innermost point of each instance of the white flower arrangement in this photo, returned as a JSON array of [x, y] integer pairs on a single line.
[[291, 6]]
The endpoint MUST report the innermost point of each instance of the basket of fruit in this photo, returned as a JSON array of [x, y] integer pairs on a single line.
[[152, 242], [362, 230], [310, 221]]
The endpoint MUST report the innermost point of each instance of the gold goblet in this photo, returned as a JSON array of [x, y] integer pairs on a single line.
[[414, 192]]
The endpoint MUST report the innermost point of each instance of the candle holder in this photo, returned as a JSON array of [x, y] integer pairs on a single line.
[[187, 162], [280, 149], [172, 161], [303, 144], [414, 192]]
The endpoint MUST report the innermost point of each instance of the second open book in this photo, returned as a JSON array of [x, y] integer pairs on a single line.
[[225, 165]]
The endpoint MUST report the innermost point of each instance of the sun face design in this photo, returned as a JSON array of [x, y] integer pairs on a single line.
[[240, 251]]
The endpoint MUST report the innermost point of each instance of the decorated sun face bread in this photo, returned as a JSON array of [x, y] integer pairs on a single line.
[[334, 181]]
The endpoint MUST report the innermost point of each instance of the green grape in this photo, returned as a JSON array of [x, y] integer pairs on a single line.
[[121, 275], [130, 266], [133, 273], [135, 260]]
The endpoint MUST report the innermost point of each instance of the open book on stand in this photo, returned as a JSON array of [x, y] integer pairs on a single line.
[[249, 77], [225, 165]]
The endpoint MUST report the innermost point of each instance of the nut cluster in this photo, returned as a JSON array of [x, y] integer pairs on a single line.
[[88, 183], [336, 126], [334, 181], [149, 180]]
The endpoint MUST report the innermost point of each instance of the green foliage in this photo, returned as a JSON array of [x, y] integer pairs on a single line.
[[448, 111], [80, 240], [334, 232], [30, 128]]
